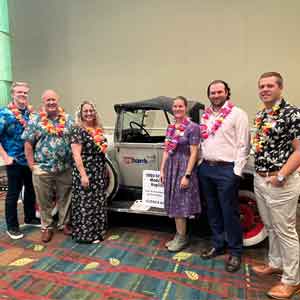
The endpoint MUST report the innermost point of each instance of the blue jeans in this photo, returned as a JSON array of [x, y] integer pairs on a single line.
[[219, 186], [17, 176]]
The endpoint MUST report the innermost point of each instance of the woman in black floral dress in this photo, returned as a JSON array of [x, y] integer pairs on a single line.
[[88, 214]]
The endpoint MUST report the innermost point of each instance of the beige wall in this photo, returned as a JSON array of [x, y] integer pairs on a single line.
[[120, 50]]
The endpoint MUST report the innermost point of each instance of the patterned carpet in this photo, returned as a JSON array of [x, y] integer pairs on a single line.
[[132, 263], [129, 264]]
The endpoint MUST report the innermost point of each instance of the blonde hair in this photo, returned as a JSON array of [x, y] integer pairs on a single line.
[[18, 83], [78, 114]]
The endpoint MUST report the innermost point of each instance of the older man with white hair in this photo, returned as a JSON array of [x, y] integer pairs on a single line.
[[48, 152]]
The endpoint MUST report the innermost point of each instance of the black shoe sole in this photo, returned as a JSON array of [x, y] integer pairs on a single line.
[[206, 257]]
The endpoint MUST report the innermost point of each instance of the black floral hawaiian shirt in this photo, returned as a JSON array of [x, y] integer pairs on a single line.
[[277, 147]]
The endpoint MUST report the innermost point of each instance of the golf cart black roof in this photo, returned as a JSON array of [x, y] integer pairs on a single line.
[[158, 103]]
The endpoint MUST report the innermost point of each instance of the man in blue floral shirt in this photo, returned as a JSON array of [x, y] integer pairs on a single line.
[[48, 152], [13, 119]]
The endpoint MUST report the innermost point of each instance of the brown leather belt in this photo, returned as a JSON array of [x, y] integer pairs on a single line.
[[267, 174], [217, 162]]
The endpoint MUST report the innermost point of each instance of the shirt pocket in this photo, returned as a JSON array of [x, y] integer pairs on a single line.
[[279, 127], [11, 129]]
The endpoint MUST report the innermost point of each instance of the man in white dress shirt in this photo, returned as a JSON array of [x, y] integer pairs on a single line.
[[225, 148]]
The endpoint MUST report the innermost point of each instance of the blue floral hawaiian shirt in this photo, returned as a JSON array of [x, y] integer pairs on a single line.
[[51, 152], [10, 134]]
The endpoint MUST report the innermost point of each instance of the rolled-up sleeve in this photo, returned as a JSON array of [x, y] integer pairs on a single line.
[[243, 143]]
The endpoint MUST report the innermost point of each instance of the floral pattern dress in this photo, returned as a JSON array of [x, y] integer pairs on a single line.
[[182, 202], [88, 206]]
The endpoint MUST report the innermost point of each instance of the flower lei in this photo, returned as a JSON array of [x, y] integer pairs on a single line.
[[223, 113], [17, 113], [263, 128], [57, 129], [173, 134], [98, 136]]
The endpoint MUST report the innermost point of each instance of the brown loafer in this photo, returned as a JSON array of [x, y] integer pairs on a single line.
[[283, 291], [47, 234], [265, 270]]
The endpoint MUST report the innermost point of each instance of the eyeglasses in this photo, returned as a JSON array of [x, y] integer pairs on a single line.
[[88, 111]]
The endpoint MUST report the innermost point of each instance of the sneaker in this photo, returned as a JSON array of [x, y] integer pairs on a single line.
[[33, 222], [169, 243], [180, 243], [15, 233]]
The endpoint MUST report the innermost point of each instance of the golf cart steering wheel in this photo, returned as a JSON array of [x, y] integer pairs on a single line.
[[133, 123]]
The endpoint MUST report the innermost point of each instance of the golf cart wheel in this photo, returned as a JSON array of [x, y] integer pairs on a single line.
[[253, 228], [112, 183]]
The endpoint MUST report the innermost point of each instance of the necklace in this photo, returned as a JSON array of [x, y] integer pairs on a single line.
[[98, 136], [57, 129], [223, 113], [174, 133], [17, 113], [263, 124]]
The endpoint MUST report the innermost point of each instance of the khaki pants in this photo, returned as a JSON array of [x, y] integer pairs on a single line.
[[45, 183], [277, 207]]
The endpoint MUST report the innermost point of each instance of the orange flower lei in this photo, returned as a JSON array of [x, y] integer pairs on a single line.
[[16, 111], [98, 136], [263, 129], [49, 126]]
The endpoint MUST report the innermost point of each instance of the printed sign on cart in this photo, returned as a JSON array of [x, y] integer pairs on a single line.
[[153, 190]]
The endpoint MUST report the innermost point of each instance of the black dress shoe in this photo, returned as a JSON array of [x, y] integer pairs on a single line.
[[233, 264], [211, 253]]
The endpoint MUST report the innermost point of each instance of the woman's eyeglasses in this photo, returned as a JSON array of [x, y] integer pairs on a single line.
[[88, 111]]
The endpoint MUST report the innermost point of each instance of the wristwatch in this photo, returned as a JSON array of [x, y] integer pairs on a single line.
[[187, 176], [280, 178]]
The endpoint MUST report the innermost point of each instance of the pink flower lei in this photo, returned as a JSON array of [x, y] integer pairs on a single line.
[[223, 113], [174, 133]]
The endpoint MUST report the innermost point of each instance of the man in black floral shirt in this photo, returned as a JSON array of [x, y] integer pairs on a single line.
[[276, 144]]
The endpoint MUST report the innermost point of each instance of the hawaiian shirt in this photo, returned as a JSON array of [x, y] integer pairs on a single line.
[[51, 152], [278, 146], [10, 134]]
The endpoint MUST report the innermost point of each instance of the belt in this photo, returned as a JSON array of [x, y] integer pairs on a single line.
[[218, 163], [267, 174]]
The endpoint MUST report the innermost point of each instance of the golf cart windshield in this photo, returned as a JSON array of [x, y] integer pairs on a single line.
[[146, 121], [144, 126]]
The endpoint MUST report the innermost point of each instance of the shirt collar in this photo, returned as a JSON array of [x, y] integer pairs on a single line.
[[278, 102]]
